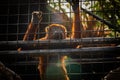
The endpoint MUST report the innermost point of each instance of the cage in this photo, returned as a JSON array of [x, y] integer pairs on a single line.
[[81, 42]]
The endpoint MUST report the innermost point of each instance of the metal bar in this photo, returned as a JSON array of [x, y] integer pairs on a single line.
[[80, 61], [113, 51], [92, 40]]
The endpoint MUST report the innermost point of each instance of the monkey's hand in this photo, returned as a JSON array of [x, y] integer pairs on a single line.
[[74, 3], [36, 15]]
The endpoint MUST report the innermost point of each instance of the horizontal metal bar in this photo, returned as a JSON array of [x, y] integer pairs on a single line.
[[83, 41], [74, 61], [82, 51]]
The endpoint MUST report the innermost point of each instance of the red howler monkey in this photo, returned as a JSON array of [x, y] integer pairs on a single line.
[[56, 31]]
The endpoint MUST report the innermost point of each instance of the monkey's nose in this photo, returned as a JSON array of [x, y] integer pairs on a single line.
[[58, 35]]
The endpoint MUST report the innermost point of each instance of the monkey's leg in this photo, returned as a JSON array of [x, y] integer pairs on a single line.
[[52, 68], [42, 66], [56, 69], [63, 58]]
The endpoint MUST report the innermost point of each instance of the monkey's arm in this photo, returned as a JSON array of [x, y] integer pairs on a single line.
[[77, 26], [32, 27], [30, 33]]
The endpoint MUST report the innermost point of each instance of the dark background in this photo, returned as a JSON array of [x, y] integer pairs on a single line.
[[15, 16]]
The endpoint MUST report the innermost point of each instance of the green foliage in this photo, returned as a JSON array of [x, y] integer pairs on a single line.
[[110, 11]]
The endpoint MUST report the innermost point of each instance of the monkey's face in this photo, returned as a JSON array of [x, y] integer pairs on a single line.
[[56, 32]]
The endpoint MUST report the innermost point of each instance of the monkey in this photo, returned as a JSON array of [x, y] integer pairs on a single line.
[[55, 32], [58, 31]]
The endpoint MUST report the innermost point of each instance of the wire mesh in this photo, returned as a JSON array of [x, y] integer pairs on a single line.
[[97, 51]]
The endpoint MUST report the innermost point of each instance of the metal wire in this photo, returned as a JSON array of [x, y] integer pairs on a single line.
[[94, 58]]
